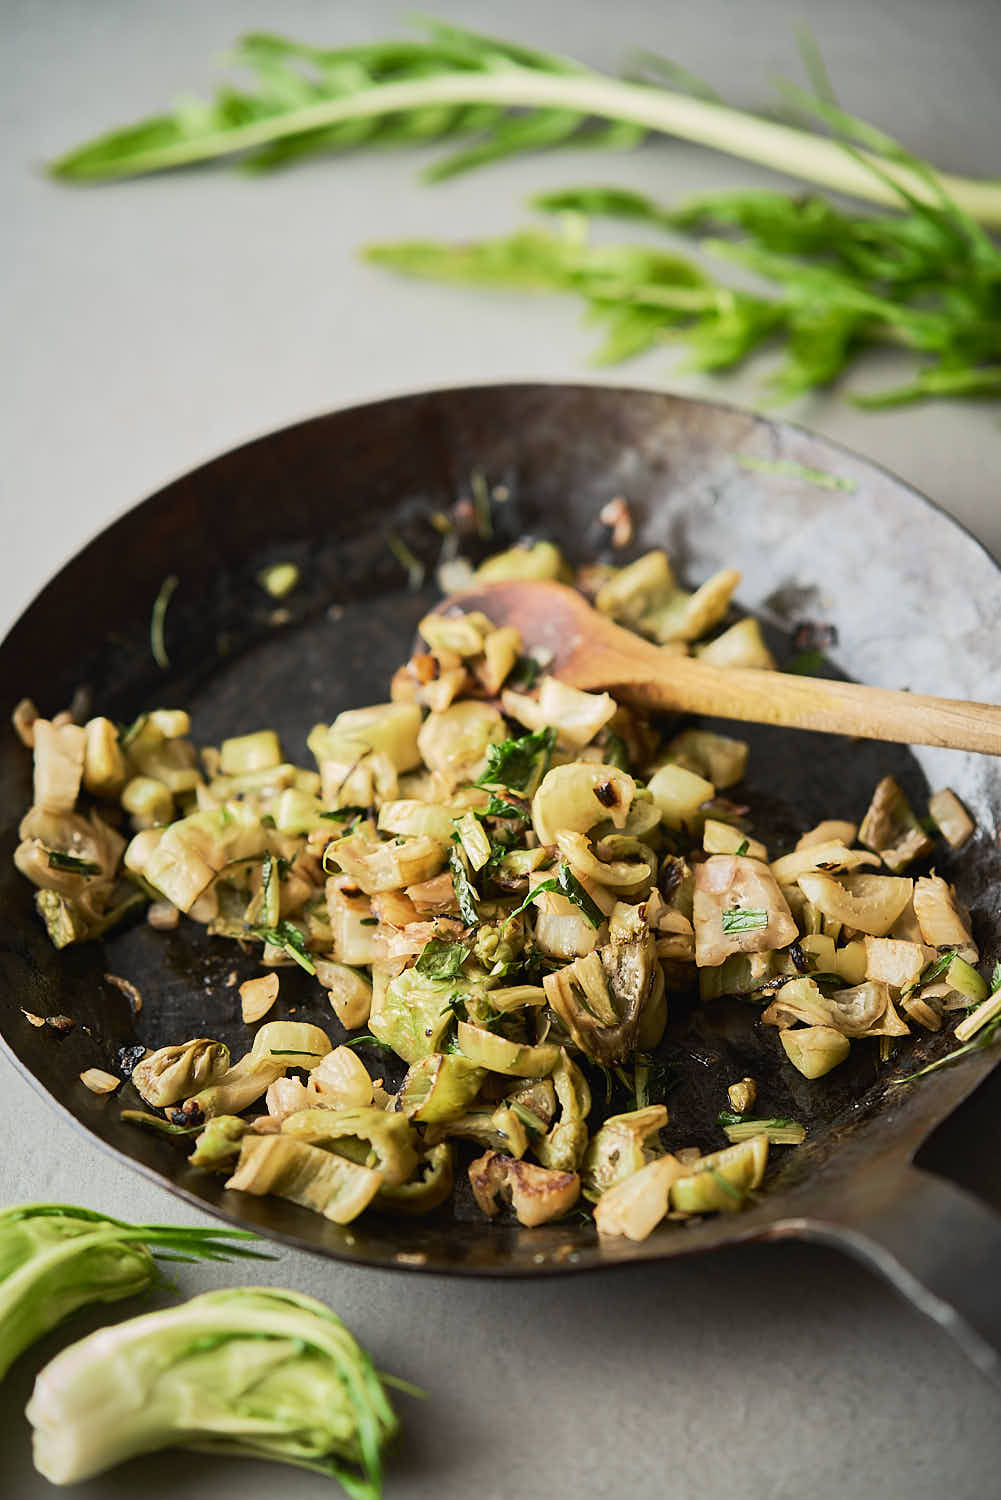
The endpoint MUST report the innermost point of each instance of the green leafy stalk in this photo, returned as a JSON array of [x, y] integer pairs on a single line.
[[56, 1258], [502, 97], [251, 1371], [928, 281]]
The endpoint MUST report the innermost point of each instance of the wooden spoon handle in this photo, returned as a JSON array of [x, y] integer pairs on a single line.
[[872, 713]]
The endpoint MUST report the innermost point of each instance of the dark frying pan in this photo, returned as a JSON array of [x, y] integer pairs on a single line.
[[909, 598]]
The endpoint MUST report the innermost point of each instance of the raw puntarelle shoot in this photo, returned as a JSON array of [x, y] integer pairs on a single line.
[[253, 1372], [457, 84], [927, 280], [55, 1258]]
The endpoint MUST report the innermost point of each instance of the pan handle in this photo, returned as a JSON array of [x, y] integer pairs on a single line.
[[940, 1246]]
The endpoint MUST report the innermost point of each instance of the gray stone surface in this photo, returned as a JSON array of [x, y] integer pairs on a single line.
[[149, 326]]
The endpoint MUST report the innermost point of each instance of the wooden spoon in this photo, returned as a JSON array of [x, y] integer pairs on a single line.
[[591, 652]]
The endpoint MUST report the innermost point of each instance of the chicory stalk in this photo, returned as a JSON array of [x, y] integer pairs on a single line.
[[457, 83], [55, 1258], [251, 1371]]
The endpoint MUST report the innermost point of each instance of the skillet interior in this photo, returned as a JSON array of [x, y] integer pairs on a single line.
[[914, 600]]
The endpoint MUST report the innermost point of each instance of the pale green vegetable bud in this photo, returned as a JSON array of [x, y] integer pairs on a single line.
[[372, 1137], [463, 634], [250, 752], [278, 580], [217, 1148], [722, 1181], [742, 645], [499, 942], [622, 1147], [815, 1050], [178, 1071], [541, 560], [251, 1371], [743, 1095], [319, 1180], [103, 761], [680, 795], [564, 1146], [55, 1258], [428, 1190], [439, 1088]]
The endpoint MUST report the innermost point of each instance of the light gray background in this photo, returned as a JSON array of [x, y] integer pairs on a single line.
[[148, 327]]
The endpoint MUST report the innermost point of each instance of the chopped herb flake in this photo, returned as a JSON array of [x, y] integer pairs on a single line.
[[157, 642], [565, 883], [744, 919], [826, 982], [441, 960], [932, 971], [465, 891], [157, 1122], [524, 674], [285, 935], [481, 504], [819, 477], [519, 764], [727, 1187], [71, 864], [806, 664], [128, 732], [411, 564], [528, 1118], [614, 752], [368, 1040], [500, 807]]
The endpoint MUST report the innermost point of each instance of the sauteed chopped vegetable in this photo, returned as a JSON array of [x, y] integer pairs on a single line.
[[506, 881]]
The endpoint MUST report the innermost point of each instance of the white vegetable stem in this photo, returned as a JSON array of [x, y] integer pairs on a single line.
[[782, 147]]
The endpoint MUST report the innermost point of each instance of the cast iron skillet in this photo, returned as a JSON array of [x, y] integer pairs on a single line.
[[914, 602]]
